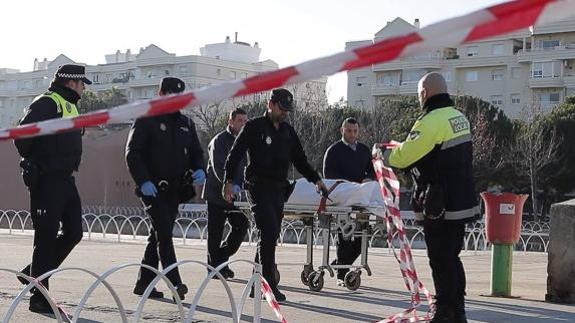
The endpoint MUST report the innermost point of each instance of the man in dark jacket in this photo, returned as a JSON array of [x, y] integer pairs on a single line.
[[438, 152], [48, 163], [219, 209], [350, 160], [272, 145], [164, 157]]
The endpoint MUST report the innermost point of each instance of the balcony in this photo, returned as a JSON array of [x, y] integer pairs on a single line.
[[546, 82], [569, 81], [431, 61], [565, 51], [405, 88], [380, 90]]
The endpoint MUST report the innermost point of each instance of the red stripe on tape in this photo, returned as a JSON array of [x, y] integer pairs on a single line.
[[508, 23], [91, 119], [170, 104], [24, 131], [267, 81], [513, 7], [382, 51]]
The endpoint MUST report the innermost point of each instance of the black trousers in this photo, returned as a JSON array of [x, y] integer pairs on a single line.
[[219, 252], [54, 201], [163, 211], [347, 252], [267, 204], [444, 239]]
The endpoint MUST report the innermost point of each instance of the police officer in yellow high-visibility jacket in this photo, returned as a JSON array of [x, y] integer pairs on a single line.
[[48, 163], [438, 153]]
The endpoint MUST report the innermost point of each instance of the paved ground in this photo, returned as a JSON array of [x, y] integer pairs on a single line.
[[381, 295]]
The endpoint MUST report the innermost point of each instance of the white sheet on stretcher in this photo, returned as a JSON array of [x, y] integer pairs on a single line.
[[346, 194]]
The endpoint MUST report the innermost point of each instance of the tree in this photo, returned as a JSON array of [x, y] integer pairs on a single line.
[[491, 136], [560, 174], [535, 148], [104, 100]]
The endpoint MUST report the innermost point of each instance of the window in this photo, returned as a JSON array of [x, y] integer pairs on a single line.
[[497, 74], [233, 75], [497, 49], [496, 100], [446, 76], [515, 98], [411, 76], [359, 103], [183, 69], [549, 44], [549, 97], [244, 75], [546, 69], [515, 72], [386, 80], [471, 76], [472, 51], [360, 80], [218, 72]]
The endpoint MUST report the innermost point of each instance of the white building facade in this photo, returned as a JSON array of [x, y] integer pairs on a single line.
[[138, 75], [527, 68]]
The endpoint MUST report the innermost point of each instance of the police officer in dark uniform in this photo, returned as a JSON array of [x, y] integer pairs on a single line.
[[350, 160], [272, 145], [219, 209], [164, 157], [438, 153], [48, 163]]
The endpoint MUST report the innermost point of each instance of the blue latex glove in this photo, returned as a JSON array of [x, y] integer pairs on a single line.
[[149, 189], [199, 177], [236, 189]]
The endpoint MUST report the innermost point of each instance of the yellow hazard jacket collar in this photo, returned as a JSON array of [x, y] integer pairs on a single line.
[[437, 101], [68, 94]]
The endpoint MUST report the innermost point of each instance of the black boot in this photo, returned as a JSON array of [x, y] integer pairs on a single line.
[[279, 296], [25, 271], [443, 314], [39, 304], [182, 290], [139, 290]]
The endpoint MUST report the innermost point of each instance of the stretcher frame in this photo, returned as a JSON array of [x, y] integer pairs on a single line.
[[364, 224]]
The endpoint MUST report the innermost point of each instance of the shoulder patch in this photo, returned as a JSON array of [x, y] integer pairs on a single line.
[[459, 124], [413, 135]]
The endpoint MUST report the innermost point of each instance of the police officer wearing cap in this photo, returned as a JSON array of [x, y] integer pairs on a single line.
[[271, 145], [219, 210], [164, 157], [48, 163], [438, 153]]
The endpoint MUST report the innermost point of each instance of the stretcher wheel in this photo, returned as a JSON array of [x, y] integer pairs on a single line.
[[304, 277], [315, 281], [352, 280]]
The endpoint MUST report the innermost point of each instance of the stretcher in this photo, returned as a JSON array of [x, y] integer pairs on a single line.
[[353, 209]]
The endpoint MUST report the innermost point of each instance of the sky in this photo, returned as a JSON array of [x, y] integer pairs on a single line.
[[288, 31]]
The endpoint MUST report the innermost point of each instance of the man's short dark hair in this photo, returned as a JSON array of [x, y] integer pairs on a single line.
[[350, 120], [237, 111]]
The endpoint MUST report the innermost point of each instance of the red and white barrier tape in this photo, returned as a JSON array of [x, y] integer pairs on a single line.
[[390, 191], [270, 298], [496, 20]]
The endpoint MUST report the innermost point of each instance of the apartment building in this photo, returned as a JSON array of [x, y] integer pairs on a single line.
[[533, 67], [138, 75]]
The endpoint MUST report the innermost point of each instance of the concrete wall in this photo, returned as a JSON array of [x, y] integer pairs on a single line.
[[102, 180], [561, 266]]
